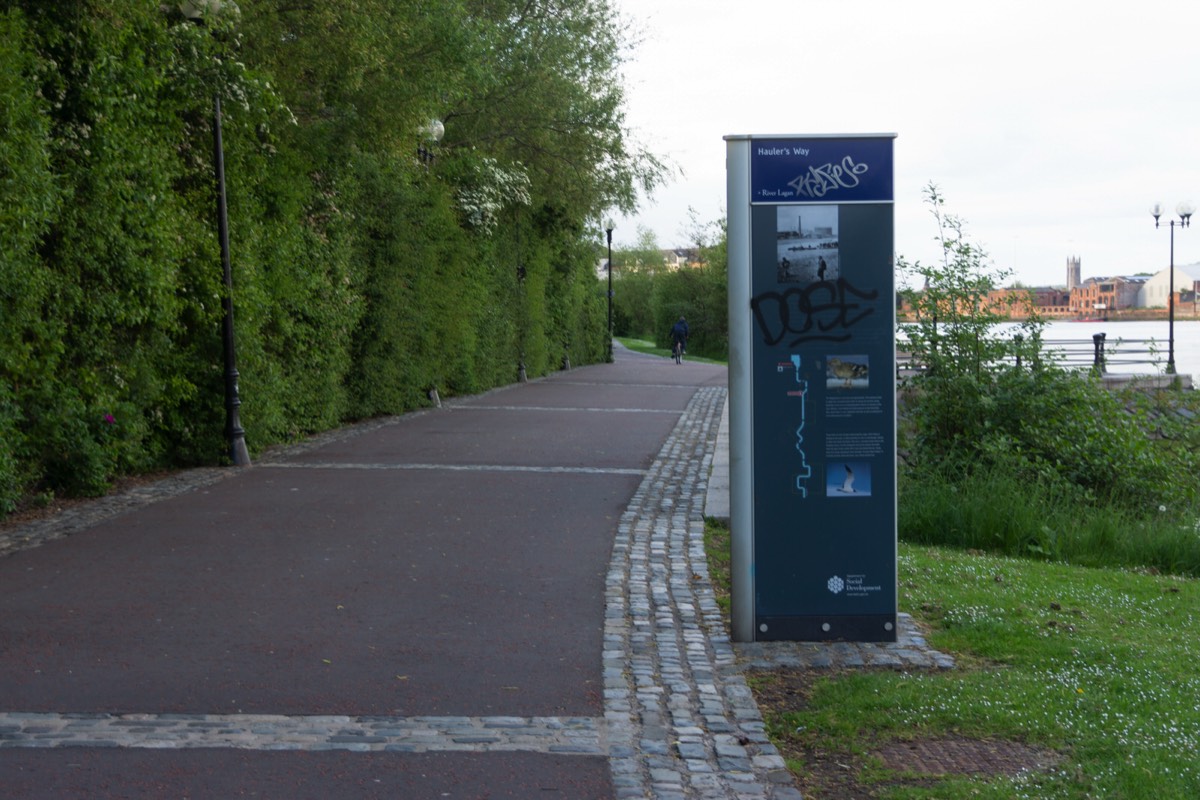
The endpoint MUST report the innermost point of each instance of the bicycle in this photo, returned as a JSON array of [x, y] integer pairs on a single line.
[[677, 352]]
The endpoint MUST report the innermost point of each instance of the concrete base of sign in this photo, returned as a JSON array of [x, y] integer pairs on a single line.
[[866, 628]]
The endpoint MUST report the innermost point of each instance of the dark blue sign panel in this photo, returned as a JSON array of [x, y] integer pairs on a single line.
[[823, 350], [833, 170]]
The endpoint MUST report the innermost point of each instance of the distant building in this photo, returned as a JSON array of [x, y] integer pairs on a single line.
[[1098, 296], [1095, 297], [1155, 289], [1052, 301], [680, 257], [672, 259], [1046, 301]]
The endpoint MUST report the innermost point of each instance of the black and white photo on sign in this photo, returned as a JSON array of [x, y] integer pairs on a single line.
[[807, 243]]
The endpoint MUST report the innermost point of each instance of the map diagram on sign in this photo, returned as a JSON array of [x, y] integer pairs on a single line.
[[804, 472]]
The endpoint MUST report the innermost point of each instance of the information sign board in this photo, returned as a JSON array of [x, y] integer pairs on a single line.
[[815, 371]]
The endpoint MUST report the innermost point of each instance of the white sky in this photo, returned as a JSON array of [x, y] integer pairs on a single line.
[[1050, 126]]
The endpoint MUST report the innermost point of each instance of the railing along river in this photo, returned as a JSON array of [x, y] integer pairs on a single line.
[[1097, 355]]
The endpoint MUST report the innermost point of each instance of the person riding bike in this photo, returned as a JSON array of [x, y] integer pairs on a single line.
[[679, 335]]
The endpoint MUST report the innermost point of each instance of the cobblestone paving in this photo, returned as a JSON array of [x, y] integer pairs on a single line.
[[580, 735], [679, 721], [682, 723]]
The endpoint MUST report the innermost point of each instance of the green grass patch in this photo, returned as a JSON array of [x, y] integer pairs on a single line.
[[1097, 665], [648, 347], [716, 547], [1004, 513]]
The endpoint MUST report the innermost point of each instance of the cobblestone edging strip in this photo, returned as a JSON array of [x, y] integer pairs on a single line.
[[909, 651], [575, 735], [682, 723]]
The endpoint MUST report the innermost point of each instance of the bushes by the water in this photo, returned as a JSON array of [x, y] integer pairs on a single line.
[[1005, 453]]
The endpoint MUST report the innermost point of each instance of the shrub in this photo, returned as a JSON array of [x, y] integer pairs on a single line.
[[1004, 452]]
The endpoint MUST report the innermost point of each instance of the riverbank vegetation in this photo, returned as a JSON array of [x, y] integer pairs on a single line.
[[1004, 452]]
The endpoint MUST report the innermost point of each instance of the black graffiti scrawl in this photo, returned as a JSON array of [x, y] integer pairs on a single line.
[[820, 312]]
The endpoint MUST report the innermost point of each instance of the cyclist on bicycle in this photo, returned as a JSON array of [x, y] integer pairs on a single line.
[[679, 335]]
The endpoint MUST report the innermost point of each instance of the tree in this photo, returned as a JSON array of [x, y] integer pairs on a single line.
[[703, 235], [363, 275], [634, 271], [646, 256], [955, 315], [648, 300], [545, 97]]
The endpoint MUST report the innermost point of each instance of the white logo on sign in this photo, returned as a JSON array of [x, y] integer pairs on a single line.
[[836, 584]]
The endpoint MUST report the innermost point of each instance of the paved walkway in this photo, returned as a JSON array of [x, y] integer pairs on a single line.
[[672, 716]]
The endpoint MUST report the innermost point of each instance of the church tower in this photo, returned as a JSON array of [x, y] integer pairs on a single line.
[[1073, 277]]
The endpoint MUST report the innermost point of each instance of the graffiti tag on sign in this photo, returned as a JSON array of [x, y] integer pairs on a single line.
[[819, 181], [821, 312]]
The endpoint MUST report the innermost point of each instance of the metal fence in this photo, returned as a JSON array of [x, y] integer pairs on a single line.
[[1098, 354]]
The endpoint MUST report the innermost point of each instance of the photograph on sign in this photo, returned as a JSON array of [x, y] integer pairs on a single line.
[[848, 480], [848, 372], [807, 241]]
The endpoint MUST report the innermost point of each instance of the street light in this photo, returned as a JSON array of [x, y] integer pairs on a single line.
[[1185, 211], [433, 133], [196, 11], [608, 229]]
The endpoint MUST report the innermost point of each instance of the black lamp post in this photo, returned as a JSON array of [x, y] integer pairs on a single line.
[[522, 377], [608, 229], [234, 433], [1185, 211], [195, 11]]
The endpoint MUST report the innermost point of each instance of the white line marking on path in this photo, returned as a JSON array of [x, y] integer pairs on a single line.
[[589, 410], [458, 468]]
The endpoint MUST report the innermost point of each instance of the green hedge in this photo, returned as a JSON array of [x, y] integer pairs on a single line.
[[647, 305], [359, 282]]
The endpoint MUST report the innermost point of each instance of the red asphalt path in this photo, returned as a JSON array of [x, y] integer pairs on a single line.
[[449, 564]]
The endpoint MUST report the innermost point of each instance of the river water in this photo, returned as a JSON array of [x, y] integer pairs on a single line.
[[1131, 340], [1131, 336]]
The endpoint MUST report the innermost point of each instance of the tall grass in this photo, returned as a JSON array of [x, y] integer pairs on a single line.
[[1001, 512]]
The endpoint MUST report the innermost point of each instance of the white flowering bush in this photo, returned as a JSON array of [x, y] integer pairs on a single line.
[[492, 187]]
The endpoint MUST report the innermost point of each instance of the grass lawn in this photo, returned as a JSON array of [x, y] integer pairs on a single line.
[[646, 346], [1093, 670]]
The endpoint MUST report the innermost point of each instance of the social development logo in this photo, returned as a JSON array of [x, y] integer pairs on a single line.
[[836, 584]]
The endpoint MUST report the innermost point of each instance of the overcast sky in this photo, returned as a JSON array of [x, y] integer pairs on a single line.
[[1050, 126]]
